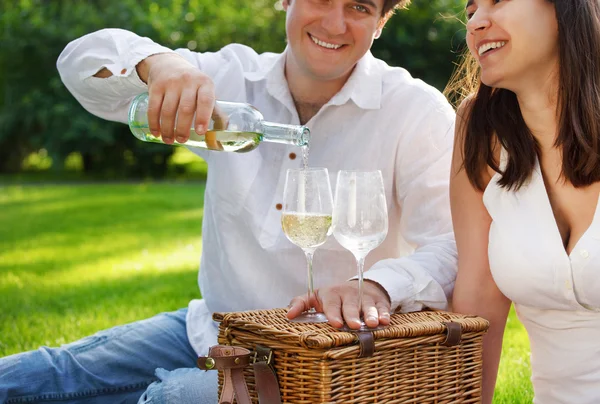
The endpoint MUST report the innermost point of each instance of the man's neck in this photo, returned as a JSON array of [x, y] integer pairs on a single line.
[[308, 93]]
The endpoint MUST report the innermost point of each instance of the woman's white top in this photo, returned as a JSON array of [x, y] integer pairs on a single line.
[[556, 296]]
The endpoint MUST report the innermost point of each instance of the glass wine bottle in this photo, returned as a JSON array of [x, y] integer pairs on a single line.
[[234, 127]]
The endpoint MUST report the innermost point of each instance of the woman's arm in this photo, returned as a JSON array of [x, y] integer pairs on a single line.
[[475, 291]]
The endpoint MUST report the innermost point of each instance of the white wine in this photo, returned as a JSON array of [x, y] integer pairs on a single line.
[[306, 230], [219, 140], [305, 151]]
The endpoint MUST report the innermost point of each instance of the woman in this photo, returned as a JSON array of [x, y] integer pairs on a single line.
[[525, 188]]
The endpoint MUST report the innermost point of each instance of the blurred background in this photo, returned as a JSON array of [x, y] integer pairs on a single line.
[[44, 129], [99, 229]]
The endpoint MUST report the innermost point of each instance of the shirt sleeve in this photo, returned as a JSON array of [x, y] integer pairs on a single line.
[[120, 51], [426, 277], [117, 50]]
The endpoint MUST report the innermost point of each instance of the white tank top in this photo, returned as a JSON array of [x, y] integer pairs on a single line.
[[556, 296]]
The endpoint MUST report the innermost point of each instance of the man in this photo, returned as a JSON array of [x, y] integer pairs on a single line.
[[362, 114]]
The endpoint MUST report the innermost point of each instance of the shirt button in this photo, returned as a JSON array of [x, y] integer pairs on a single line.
[[292, 156], [123, 71], [584, 253], [279, 206]]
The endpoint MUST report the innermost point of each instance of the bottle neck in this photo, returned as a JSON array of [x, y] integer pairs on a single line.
[[296, 135]]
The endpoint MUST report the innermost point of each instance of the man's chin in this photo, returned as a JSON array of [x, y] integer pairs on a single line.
[[329, 71], [328, 76]]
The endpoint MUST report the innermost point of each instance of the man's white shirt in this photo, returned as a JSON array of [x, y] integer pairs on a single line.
[[381, 119]]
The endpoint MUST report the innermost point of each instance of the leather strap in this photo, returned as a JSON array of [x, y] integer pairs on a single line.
[[367, 343], [224, 357], [232, 361], [267, 385], [454, 334]]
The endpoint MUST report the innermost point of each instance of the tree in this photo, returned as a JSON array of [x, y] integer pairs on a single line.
[[424, 39]]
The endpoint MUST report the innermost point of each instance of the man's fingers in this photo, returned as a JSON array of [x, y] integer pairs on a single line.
[[297, 306], [168, 113], [331, 304], [155, 99], [350, 311], [205, 102], [185, 115], [315, 301], [370, 315], [383, 309]]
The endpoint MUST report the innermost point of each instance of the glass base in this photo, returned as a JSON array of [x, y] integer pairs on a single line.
[[310, 317], [363, 327]]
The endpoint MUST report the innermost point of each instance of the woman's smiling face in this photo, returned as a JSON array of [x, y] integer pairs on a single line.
[[514, 41]]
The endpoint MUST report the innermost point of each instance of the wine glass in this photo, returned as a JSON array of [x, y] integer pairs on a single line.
[[360, 219], [306, 220]]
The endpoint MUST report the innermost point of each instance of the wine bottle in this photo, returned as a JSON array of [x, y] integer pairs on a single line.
[[234, 127]]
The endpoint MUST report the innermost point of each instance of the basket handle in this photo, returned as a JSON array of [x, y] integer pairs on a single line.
[[366, 342], [453, 334]]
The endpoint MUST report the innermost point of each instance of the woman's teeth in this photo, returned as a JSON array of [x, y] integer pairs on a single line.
[[490, 45]]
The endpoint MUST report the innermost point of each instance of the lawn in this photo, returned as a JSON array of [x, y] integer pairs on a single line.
[[75, 259]]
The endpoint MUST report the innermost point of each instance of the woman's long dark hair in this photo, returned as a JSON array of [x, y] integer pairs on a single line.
[[495, 118]]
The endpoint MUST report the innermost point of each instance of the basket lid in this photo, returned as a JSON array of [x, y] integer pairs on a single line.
[[273, 324]]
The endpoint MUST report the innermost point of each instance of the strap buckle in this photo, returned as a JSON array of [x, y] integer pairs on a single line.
[[262, 354]]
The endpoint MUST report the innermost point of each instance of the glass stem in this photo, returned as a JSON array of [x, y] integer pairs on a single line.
[[311, 291], [360, 263]]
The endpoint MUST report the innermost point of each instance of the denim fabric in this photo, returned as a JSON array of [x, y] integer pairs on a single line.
[[113, 366], [190, 385]]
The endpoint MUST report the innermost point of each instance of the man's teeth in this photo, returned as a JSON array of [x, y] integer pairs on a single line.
[[490, 45], [324, 44]]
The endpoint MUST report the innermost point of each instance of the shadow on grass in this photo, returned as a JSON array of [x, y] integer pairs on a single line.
[[64, 248]]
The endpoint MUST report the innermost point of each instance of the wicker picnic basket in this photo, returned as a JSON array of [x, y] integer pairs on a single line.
[[412, 362]]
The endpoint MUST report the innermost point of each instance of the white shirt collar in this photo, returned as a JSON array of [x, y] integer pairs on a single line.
[[364, 86]]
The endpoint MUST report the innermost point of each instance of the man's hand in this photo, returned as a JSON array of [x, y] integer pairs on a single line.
[[177, 90], [341, 301]]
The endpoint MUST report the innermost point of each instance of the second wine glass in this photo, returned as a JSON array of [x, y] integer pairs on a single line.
[[360, 218], [306, 220]]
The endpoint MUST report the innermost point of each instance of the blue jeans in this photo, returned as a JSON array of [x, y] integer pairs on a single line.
[[149, 361]]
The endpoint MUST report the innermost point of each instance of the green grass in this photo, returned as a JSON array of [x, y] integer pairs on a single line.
[[513, 385], [75, 259]]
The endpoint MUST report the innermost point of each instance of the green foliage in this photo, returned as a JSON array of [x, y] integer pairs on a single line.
[[425, 39], [38, 112]]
